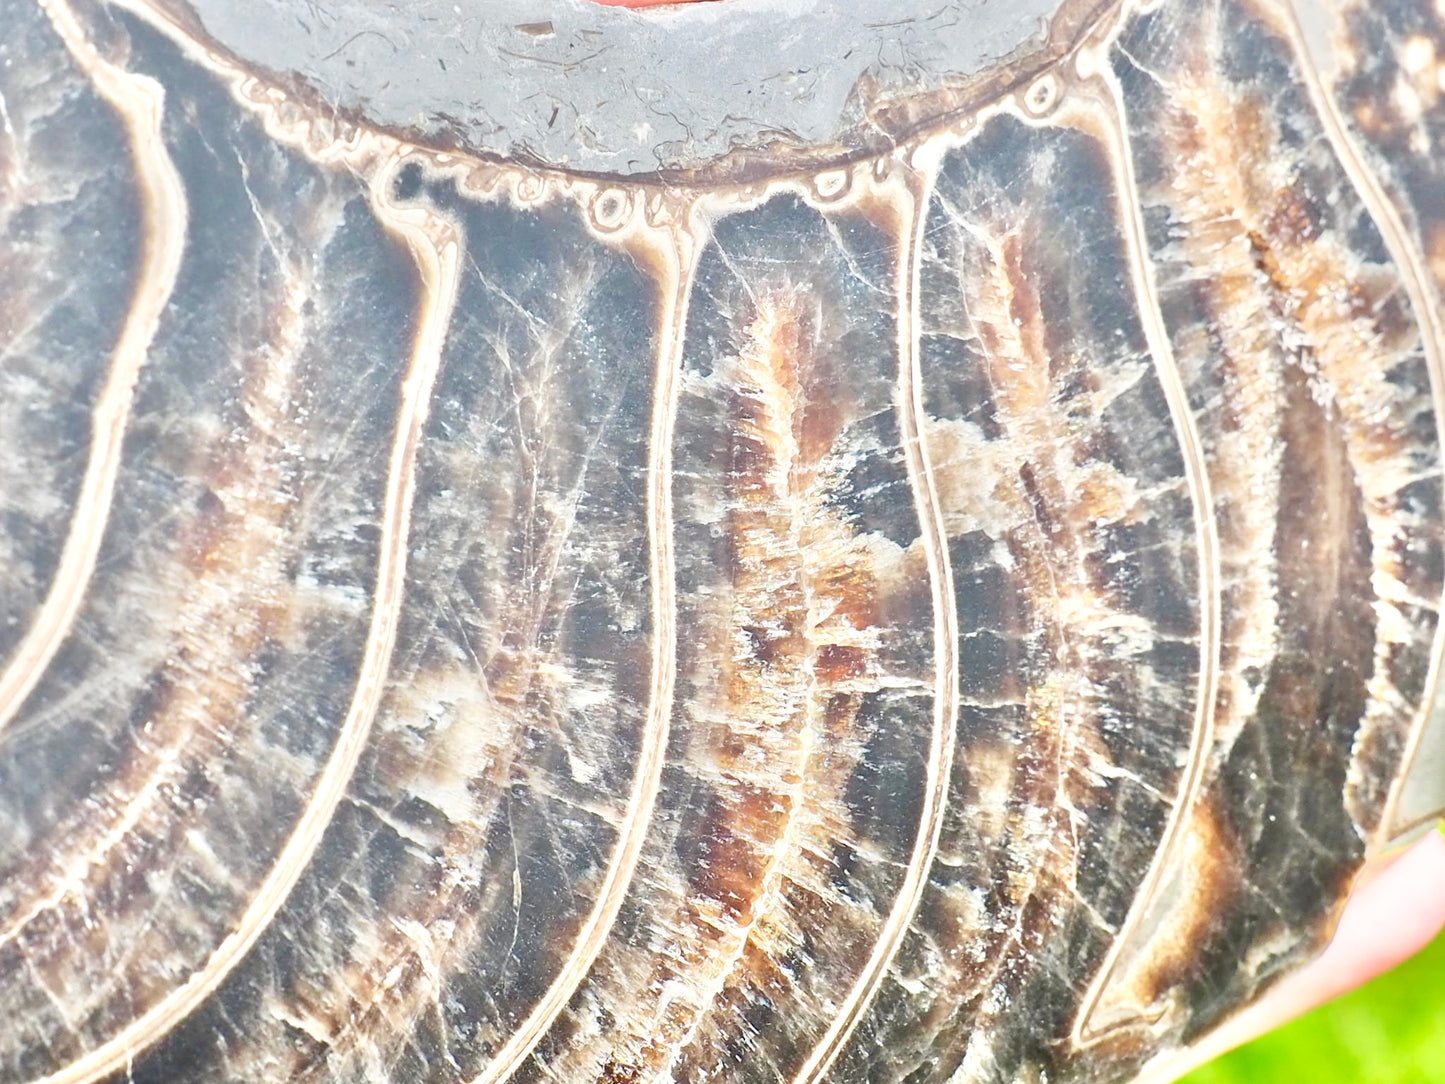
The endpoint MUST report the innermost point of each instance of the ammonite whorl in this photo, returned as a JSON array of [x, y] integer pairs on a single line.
[[549, 543]]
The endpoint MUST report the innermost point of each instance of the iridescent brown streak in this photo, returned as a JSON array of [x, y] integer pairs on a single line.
[[1051, 500], [1243, 464], [1354, 328], [800, 638], [237, 550]]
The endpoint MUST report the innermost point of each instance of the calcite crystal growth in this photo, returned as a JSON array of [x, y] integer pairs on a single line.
[[544, 543]]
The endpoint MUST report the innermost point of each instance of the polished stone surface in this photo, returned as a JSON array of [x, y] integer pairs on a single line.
[[960, 611]]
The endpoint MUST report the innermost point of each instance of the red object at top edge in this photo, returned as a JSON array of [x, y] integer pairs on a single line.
[[646, 3]]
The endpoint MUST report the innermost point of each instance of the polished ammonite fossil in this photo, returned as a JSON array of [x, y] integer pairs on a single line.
[[752, 543]]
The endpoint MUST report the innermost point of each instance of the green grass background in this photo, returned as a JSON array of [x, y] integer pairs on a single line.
[[1390, 1031]]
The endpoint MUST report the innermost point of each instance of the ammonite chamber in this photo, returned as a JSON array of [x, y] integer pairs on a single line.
[[548, 543]]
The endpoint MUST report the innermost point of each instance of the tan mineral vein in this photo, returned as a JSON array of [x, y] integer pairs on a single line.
[[1414, 276], [945, 639], [436, 252], [679, 263], [770, 366], [140, 102], [1141, 271]]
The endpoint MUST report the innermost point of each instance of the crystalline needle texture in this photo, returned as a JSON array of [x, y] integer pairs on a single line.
[[951, 599]]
